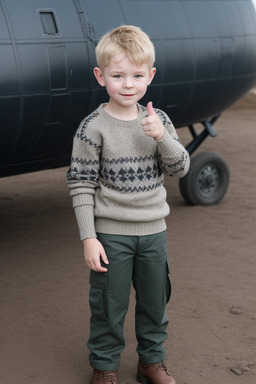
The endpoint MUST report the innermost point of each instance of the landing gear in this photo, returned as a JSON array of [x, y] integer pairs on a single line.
[[207, 180], [208, 177]]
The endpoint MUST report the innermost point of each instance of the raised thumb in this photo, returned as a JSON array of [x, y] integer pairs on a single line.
[[150, 108]]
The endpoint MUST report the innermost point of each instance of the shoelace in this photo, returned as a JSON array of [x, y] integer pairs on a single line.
[[161, 367], [108, 377]]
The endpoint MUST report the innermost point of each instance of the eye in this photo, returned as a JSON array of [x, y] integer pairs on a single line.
[[138, 76], [117, 76]]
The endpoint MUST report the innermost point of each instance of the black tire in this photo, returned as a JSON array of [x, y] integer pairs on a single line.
[[206, 181]]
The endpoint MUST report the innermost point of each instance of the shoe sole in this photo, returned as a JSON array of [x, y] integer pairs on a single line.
[[143, 380]]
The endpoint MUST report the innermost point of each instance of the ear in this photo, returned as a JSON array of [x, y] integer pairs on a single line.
[[99, 76], [151, 75]]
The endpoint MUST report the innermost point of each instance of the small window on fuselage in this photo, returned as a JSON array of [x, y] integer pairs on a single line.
[[49, 23]]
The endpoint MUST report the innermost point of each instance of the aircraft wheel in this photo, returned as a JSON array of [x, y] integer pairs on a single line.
[[207, 179]]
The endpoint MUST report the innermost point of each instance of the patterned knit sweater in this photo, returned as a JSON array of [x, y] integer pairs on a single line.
[[117, 174]]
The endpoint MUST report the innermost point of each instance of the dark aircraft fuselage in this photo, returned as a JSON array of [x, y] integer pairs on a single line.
[[205, 59]]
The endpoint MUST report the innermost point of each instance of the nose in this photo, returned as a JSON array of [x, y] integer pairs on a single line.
[[128, 83]]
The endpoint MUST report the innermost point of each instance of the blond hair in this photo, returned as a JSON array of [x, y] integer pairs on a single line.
[[126, 39]]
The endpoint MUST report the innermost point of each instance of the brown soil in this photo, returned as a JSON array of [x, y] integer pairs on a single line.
[[44, 280]]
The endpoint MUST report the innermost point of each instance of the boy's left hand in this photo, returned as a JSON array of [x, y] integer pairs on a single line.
[[152, 124]]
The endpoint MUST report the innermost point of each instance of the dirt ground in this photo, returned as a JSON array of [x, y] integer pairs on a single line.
[[44, 312]]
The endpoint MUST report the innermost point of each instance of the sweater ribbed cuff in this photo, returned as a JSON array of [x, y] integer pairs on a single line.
[[85, 220]]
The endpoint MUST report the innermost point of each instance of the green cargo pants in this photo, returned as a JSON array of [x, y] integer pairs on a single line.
[[142, 260]]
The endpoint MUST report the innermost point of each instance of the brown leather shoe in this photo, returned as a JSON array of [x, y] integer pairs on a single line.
[[103, 377], [156, 373]]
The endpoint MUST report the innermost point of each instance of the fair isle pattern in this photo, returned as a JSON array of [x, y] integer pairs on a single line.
[[125, 174], [129, 159], [139, 177], [128, 174], [86, 175], [117, 174], [128, 177], [81, 133], [134, 175], [176, 167]]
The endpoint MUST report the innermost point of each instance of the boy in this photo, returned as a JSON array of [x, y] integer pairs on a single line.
[[120, 154]]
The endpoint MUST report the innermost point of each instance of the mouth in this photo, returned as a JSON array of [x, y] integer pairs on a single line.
[[128, 95]]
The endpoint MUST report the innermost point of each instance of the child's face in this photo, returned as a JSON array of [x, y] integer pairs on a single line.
[[125, 82]]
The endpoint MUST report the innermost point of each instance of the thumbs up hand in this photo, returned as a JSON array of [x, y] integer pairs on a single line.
[[150, 109], [152, 125]]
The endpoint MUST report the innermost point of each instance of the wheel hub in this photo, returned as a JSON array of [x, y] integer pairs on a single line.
[[208, 180]]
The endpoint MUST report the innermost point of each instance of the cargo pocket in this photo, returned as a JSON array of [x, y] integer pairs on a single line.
[[98, 295], [168, 287]]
